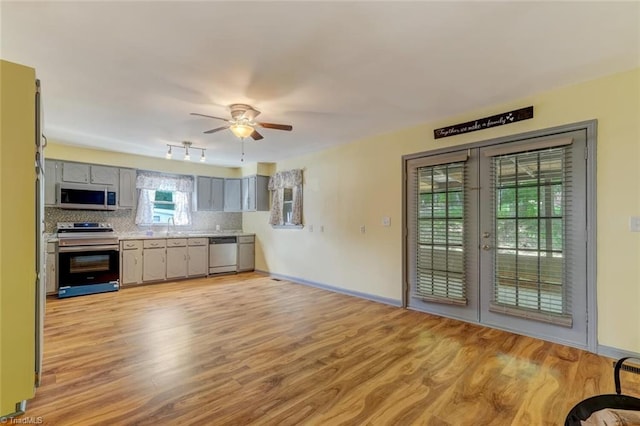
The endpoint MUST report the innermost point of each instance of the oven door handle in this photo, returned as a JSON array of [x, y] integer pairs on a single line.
[[70, 249]]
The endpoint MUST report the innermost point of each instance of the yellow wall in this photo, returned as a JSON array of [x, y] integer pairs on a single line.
[[59, 151], [359, 183], [17, 235], [265, 169]]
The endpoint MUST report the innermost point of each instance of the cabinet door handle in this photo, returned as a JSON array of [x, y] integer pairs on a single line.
[[185, 257]]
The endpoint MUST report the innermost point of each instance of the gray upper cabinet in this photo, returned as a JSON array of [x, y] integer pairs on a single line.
[[255, 193], [210, 194], [127, 189], [88, 173], [52, 175], [249, 193], [75, 172], [232, 195], [122, 180], [203, 186], [104, 175]]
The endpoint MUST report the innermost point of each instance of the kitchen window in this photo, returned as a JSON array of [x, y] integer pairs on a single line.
[[286, 199], [287, 206], [163, 207], [163, 198]]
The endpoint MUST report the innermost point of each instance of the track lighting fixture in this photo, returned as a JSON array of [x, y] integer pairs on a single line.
[[187, 146]]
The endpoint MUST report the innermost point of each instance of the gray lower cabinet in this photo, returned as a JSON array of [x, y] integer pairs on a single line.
[[51, 271], [154, 260], [210, 194], [130, 262], [176, 258], [246, 253], [197, 257], [163, 259], [232, 195]]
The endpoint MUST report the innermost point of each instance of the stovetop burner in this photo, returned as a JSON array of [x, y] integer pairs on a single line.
[[73, 227], [85, 233]]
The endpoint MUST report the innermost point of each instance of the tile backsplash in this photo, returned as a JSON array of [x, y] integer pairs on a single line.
[[124, 220]]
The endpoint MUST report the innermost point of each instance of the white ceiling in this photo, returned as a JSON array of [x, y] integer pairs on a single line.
[[124, 76]]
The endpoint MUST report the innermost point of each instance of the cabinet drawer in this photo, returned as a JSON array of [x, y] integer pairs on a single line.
[[131, 245], [246, 239], [198, 241], [155, 243], [177, 242]]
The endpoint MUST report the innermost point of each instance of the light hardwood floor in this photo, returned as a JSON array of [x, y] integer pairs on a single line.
[[246, 349]]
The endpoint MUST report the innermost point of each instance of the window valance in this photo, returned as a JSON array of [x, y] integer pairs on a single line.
[[164, 182], [286, 179]]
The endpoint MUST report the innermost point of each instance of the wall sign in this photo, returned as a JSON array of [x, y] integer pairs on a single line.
[[484, 123]]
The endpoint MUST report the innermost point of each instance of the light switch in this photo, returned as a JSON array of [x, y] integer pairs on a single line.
[[386, 221], [321, 228], [310, 228], [634, 224]]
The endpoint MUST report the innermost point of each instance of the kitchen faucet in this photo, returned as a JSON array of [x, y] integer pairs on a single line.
[[170, 221]]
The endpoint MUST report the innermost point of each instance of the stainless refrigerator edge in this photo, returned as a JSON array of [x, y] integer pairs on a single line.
[[41, 244]]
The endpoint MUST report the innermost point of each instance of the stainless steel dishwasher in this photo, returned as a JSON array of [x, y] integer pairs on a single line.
[[223, 254]]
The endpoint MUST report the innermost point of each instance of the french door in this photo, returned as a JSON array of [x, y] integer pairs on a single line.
[[497, 235]]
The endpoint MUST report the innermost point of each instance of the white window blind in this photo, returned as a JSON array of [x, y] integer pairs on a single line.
[[439, 222], [531, 205]]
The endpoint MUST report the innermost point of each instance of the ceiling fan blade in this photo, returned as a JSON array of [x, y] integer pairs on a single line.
[[256, 136], [276, 126], [217, 129], [209, 116]]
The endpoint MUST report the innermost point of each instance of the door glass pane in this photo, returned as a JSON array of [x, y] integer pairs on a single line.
[[529, 190], [440, 213]]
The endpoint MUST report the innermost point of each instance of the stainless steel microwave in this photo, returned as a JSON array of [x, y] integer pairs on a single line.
[[86, 197]]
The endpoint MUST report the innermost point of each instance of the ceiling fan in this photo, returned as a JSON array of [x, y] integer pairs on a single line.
[[242, 122]]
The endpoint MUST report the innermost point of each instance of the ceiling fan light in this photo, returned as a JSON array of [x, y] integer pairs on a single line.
[[241, 130]]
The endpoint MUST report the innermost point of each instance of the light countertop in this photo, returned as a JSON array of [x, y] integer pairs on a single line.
[[149, 235], [179, 234]]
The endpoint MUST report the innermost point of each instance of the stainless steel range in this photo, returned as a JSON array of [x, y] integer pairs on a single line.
[[88, 258]]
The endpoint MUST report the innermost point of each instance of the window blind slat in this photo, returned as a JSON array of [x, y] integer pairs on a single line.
[[439, 223], [531, 146], [530, 231]]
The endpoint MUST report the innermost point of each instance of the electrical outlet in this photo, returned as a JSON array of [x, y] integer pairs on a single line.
[[362, 229], [321, 228], [386, 221], [634, 224], [310, 228]]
